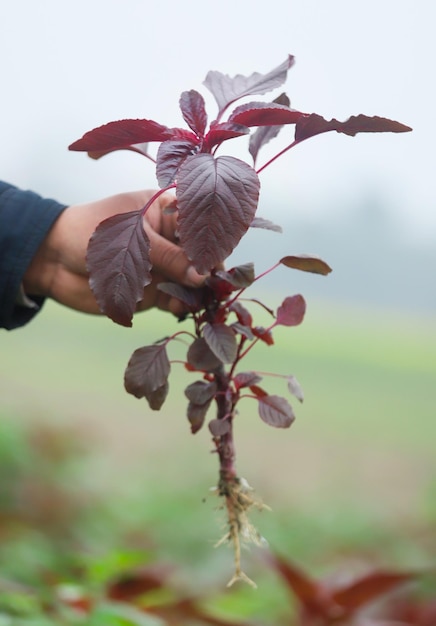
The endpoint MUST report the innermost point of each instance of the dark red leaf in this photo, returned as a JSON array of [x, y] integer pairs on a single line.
[[121, 134], [260, 222], [219, 427], [227, 90], [264, 114], [276, 411], [246, 379], [221, 340], [306, 263], [311, 125], [243, 315], [217, 200], [258, 391], [221, 132], [193, 110], [147, 374], [370, 588], [192, 297], [291, 311], [240, 276], [129, 586], [201, 357], [264, 334], [119, 265], [264, 134], [196, 414], [170, 156], [201, 391]]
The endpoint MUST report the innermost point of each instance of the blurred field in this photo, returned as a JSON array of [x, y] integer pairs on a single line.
[[358, 465]]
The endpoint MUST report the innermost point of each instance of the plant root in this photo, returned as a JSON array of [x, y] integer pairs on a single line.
[[239, 500]]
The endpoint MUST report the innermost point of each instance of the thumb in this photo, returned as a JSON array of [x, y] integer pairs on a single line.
[[171, 261]]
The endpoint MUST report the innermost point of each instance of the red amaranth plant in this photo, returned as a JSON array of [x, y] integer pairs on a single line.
[[216, 202]]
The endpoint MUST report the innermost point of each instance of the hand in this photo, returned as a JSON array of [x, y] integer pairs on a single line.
[[59, 270]]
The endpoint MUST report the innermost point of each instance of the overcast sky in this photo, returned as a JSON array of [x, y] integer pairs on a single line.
[[71, 65]]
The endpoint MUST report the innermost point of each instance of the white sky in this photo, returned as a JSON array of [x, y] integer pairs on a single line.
[[71, 65]]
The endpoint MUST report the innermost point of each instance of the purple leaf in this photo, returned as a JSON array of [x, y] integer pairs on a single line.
[[246, 379], [243, 315], [201, 357], [146, 375], [217, 200], [221, 132], [170, 156], [295, 388], [140, 148], [306, 263], [121, 134], [260, 222], [291, 311], [276, 411], [192, 297], [264, 134], [119, 265], [196, 414], [227, 90], [193, 110], [240, 276], [221, 340], [311, 125], [245, 331], [201, 391], [218, 428], [264, 114]]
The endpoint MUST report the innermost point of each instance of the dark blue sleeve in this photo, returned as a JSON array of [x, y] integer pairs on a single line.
[[25, 219]]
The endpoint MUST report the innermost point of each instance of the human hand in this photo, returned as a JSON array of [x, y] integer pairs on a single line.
[[59, 271]]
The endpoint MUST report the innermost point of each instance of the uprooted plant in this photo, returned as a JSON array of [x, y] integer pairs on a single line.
[[216, 202]]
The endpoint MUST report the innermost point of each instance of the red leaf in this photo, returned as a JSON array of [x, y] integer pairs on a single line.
[[264, 134], [246, 379], [227, 90], [200, 392], [311, 125], [201, 357], [119, 265], [258, 391], [369, 588], [121, 134], [131, 585], [243, 315], [192, 297], [222, 341], [221, 132], [196, 414], [170, 157], [241, 276], [140, 148], [291, 311], [217, 200], [276, 411], [147, 374], [193, 110], [264, 334], [264, 114], [306, 263]]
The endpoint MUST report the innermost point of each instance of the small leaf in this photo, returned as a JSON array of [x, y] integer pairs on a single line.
[[119, 265], [241, 276], [218, 428], [260, 222], [264, 134], [201, 357], [196, 414], [246, 379], [121, 134], [311, 125], [221, 132], [192, 297], [264, 114], [306, 263], [243, 315], [258, 391], [227, 90], [140, 148], [276, 411], [201, 391], [217, 200], [170, 157], [295, 388], [264, 334], [291, 311], [245, 331], [193, 110], [147, 374], [221, 340]]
